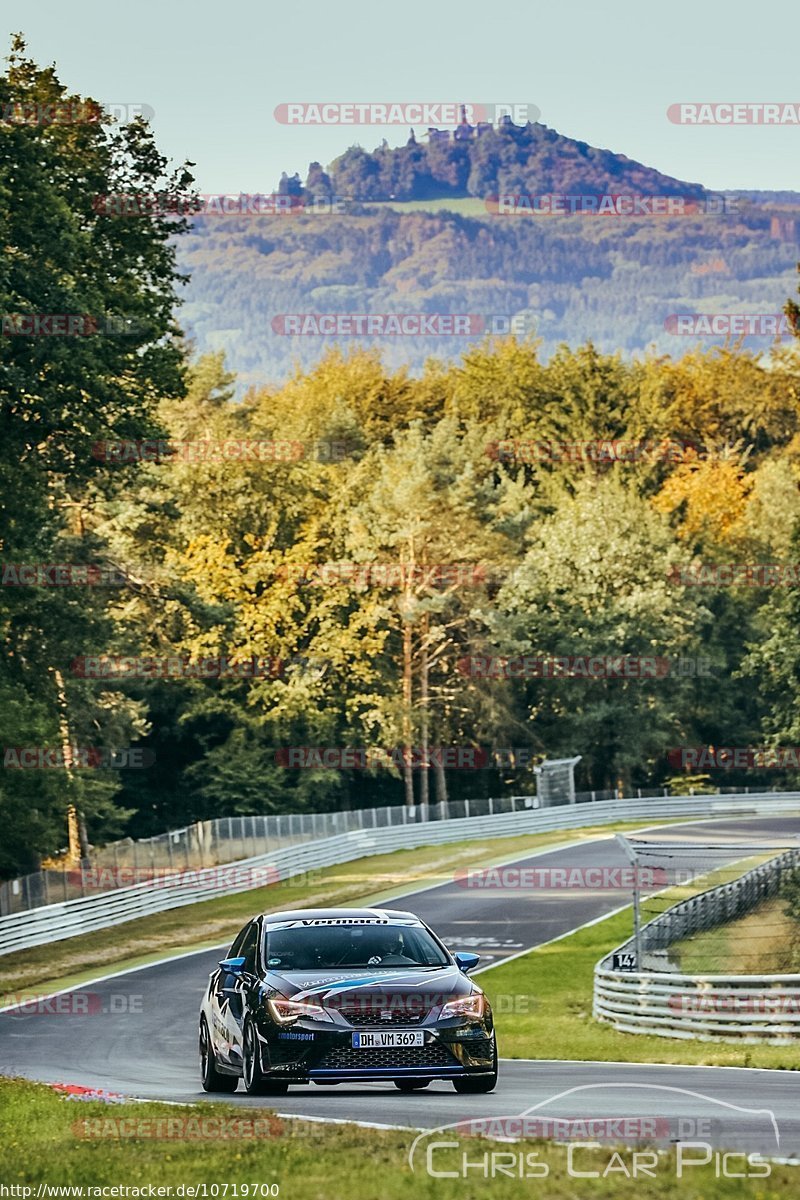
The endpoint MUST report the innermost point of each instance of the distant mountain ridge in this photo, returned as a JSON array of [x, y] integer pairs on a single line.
[[616, 280], [483, 161]]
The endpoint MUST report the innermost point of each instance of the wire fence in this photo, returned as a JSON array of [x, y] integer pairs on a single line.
[[231, 839], [220, 841], [713, 908]]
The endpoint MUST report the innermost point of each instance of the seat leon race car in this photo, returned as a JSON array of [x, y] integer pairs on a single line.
[[342, 995]]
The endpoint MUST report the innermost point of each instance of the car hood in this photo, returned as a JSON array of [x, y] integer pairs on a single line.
[[336, 986]]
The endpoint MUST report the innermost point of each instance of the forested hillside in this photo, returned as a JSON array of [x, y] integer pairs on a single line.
[[483, 162], [614, 279]]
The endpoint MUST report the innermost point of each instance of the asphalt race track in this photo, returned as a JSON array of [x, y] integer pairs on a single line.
[[140, 1035]]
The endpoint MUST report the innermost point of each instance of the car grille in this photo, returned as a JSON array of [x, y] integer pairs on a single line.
[[346, 1058], [395, 1016]]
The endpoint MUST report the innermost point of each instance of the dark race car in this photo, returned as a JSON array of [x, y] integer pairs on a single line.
[[345, 994]]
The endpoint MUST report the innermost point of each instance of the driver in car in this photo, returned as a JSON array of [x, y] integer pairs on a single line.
[[388, 951]]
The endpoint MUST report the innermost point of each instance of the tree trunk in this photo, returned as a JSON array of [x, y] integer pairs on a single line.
[[76, 829], [424, 786], [440, 779], [407, 701], [84, 840]]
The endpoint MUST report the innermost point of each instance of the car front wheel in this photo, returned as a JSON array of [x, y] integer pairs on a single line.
[[477, 1084], [255, 1082], [212, 1079]]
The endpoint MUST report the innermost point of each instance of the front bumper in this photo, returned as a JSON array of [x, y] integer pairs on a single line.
[[309, 1054]]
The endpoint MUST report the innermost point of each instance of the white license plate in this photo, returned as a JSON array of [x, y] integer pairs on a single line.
[[395, 1037]]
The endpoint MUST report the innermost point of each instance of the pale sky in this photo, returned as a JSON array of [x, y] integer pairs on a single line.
[[604, 73]]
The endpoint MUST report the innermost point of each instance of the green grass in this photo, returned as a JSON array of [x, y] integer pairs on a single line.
[[211, 923], [43, 1141], [467, 206], [556, 984], [654, 904], [764, 941]]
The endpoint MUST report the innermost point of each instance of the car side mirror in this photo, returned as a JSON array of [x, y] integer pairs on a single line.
[[467, 962], [232, 965]]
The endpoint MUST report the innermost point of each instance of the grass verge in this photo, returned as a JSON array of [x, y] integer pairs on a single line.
[[549, 994], [44, 1142], [765, 941], [465, 206]]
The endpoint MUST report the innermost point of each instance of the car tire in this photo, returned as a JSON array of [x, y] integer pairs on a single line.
[[474, 1085], [255, 1082], [411, 1085], [211, 1078]]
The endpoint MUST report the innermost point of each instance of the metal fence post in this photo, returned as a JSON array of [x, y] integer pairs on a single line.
[[630, 854]]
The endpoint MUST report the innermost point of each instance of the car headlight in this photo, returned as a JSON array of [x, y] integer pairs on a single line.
[[283, 1011], [472, 1007]]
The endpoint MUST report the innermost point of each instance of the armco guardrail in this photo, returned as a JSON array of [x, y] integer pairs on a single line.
[[55, 922], [231, 839], [716, 906], [749, 1008], [745, 1008], [223, 840]]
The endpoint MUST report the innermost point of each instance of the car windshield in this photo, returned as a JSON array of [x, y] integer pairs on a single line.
[[326, 947]]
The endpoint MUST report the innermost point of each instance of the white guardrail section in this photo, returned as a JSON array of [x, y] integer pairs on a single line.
[[54, 922], [741, 1008]]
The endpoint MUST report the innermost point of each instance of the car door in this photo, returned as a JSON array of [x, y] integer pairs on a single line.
[[235, 987], [226, 997]]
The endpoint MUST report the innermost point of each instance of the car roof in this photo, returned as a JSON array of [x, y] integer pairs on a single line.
[[340, 914]]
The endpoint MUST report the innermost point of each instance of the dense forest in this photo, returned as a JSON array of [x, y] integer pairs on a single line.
[[353, 557], [614, 280]]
